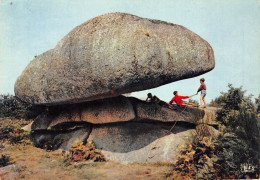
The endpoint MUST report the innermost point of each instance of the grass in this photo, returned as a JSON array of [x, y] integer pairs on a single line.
[[36, 163], [4, 160], [10, 130]]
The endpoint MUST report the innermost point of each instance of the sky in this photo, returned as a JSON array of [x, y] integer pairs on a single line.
[[232, 27]]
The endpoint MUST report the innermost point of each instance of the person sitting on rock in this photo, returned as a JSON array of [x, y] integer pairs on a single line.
[[178, 99], [155, 99], [149, 97]]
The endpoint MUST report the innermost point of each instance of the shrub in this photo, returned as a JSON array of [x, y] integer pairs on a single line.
[[83, 152], [257, 102], [11, 106], [196, 161], [219, 101], [239, 143], [10, 129], [4, 160], [193, 101], [226, 156], [232, 152]]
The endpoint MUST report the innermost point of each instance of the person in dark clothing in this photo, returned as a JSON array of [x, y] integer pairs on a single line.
[[202, 89], [149, 97], [155, 99]]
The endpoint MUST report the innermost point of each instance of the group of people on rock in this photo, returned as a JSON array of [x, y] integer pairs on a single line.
[[179, 99]]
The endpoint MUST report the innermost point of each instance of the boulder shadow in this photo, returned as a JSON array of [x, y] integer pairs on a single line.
[[132, 136]]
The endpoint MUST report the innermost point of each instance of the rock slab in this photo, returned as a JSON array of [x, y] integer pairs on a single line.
[[142, 135], [112, 110], [113, 54]]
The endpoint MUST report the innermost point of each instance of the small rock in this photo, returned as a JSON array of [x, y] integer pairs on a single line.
[[10, 168], [27, 128]]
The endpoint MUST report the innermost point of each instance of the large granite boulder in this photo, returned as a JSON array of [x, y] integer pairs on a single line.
[[116, 109], [121, 142], [154, 112], [145, 142], [114, 54]]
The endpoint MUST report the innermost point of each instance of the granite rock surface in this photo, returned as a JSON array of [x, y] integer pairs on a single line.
[[113, 54]]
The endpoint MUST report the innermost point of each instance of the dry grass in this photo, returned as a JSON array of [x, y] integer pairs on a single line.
[[41, 164], [34, 163]]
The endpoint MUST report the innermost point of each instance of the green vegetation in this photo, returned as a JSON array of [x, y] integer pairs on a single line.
[[238, 146], [4, 160], [12, 107], [10, 130], [11, 133], [257, 102], [14, 114], [196, 161], [235, 153], [193, 101]]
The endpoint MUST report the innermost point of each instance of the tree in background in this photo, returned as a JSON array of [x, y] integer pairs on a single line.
[[193, 101], [257, 102], [238, 146]]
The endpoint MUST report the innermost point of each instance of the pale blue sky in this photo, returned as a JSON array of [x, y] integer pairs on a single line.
[[232, 27]]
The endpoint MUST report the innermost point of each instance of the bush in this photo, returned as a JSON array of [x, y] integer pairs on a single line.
[[234, 152], [219, 101], [196, 162], [193, 101], [10, 129], [257, 102], [4, 160], [84, 152], [239, 143], [10, 106]]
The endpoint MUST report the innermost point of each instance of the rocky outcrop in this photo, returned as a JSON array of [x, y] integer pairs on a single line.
[[109, 110], [82, 78], [117, 109], [151, 111], [111, 55], [61, 139], [140, 142], [134, 130]]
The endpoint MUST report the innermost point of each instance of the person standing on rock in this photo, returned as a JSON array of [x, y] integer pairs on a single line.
[[178, 99], [202, 88]]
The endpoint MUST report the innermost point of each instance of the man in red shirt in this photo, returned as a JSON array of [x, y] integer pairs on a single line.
[[178, 99]]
